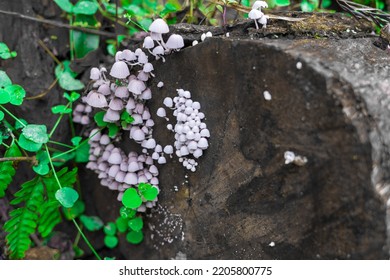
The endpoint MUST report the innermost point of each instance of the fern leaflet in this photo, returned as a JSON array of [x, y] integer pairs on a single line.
[[7, 170]]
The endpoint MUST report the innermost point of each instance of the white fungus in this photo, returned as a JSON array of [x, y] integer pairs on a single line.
[[267, 95]]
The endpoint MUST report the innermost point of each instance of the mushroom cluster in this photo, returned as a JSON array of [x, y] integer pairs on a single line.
[[257, 15], [119, 171], [191, 132]]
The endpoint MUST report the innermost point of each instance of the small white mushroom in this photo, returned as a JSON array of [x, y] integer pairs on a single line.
[[111, 116], [104, 139], [104, 89], [136, 86], [131, 178], [168, 149], [94, 74], [133, 166], [116, 104], [255, 15], [122, 92], [120, 70], [175, 42], [148, 67], [203, 143], [120, 176], [148, 43], [138, 135], [267, 95], [96, 100], [161, 112], [160, 84], [113, 170], [162, 160]]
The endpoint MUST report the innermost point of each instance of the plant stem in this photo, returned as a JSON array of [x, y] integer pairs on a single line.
[[12, 115], [58, 122], [52, 167], [33, 159], [71, 39], [60, 144], [5, 145], [86, 240]]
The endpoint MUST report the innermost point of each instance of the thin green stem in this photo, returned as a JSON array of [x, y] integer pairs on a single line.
[[86, 240], [12, 115], [60, 144], [57, 122], [72, 130], [5, 145], [52, 167]]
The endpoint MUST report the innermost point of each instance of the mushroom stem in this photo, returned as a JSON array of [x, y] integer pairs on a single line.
[[257, 26]]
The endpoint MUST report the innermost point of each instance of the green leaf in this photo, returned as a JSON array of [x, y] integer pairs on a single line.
[[49, 217], [4, 96], [136, 224], [78, 252], [84, 43], [18, 124], [60, 161], [66, 77], [24, 220], [43, 163], [282, 2], [5, 53], [110, 229], [307, 6], [131, 199], [16, 94], [65, 5], [127, 212], [61, 109], [82, 153], [75, 211], [91, 223], [36, 133], [148, 191], [111, 49], [4, 79], [111, 241], [135, 237], [121, 224], [1, 115], [7, 169], [72, 97], [29, 145], [67, 196], [113, 129], [85, 8], [99, 119], [76, 140]]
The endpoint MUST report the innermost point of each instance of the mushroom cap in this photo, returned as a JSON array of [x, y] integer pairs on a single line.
[[161, 112], [149, 123], [198, 153], [136, 86], [148, 67], [131, 178], [133, 166], [114, 169], [116, 104], [148, 43], [104, 139], [255, 14], [162, 160], [142, 58], [122, 92], [175, 42], [159, 26], [149, 144], [259, 4], [203, 143], [146, 94], [184, 151], [130, 104], [263, 20], [154, 170], [104, 89], [159, 50], [158, 148], [94, 74], [115, 158], [168, 149], [120, 176], [138, 135], [129, 55], [154, 181], [160, 84], [143, 76], [120, 70], [168, 102], [111, 116], [205, 133], [96, 99]]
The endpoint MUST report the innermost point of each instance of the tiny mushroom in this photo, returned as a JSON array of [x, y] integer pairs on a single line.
[[157, 28], [255, 15], [148, 43], [120, 70], [96, 100], [175, 42], [94, 74]]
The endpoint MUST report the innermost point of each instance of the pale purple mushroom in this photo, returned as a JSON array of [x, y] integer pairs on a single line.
[[111, 116], [175, 42], [157, 28], [115, 158], [136, 87], [128, 55], [122, 92], [138, 135], [148, 43], [120, 70], [146, 94], [104, 89], [96, 100], [161, 112], [94, 74], [131, 178], [116, 104], [255, 15]]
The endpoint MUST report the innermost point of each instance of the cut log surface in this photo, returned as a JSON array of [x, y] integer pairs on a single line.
[[243, 198], [330, 100]]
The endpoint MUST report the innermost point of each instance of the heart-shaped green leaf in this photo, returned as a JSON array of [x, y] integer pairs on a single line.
[[16, 94], [148, 191], [91, 223], [29, 145], [42, 168], [36, 133], [61, 109], [127, 212], [1, 115], [4, 79], [72, 97], [76, 210], [67, 196], [85, 8], [135, 237], [131, 199], [65, 5], [4, 96], [110, 229], [111, 241], [66, 77], [136, 224], [76, 140], [82, 153]]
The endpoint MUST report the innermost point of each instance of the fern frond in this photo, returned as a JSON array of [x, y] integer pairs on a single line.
[[7, 169], [23, 221]]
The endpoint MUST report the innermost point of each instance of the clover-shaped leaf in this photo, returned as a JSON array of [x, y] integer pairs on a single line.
[[136, 224], [131, 199], [111, 241], [42, 168], [72, 97], [61, 109], [135, 237], [16, 94], [67, 196], [36, 133], [75, 211], [91, 223], [4, 79], [148, 191], [110, 229], [29, 145]]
